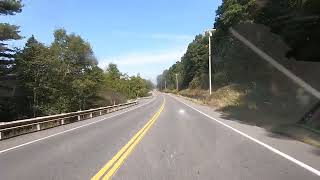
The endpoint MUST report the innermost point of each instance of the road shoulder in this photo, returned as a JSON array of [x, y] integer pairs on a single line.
[[308, 154], [29, 138]]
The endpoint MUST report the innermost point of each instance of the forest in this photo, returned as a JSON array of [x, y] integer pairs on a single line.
[[244, 85], [39, 79]]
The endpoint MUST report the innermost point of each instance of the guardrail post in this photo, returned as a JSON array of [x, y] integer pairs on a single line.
[[90, 115], [0, 135], [38, 127], [100, 112], [79, 118], [62, 121]]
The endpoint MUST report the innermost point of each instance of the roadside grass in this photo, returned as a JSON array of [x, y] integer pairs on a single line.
[[227, 96], [235, 102]]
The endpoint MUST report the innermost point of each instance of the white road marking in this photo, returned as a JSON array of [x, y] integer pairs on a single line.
[[301, 164], [72, 129]]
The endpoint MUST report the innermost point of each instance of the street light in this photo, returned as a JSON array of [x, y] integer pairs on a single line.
[[211, 31]]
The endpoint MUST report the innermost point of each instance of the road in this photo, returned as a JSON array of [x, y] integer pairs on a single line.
[[165, 137]]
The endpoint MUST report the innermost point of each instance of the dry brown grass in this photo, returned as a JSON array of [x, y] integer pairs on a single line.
[[226, 96], [223, 97]]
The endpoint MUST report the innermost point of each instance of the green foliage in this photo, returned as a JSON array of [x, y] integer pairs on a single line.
[[195, 83], [245, 85], [43, 80], [8, 32], [64, 77], [296, 21], [59, 78], [113, 72], [9, 106], [131, 87], [221, 78], [10, 7], [234, 11], [192, 70], [33, 66]]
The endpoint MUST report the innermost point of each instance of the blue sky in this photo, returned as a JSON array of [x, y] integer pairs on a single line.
[[141, 36]]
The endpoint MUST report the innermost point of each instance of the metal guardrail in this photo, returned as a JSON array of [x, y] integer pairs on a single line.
[[16, 128]]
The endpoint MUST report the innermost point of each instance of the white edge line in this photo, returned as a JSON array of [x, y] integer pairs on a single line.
[[72, 129], [307, 167]]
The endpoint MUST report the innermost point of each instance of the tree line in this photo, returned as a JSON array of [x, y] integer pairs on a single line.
[[294, 23], [61, 77], [288, 30]]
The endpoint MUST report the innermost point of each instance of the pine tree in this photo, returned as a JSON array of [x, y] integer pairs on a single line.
[[8, 32]]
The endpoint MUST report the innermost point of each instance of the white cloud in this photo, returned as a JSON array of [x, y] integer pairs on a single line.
[[142, 58], [148, 64]]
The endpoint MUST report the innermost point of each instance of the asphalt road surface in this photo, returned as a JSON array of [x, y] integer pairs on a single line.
[[164, 137]]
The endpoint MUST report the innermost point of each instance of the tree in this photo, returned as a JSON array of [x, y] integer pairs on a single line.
[[87, 87], [34, 70], [113, 71], [10, 7], [77, 65], [8, 32], [61, 78], [160, 81], [112, 77], [192, 69], [288, 30], [8, 82], [298, 23], [130, 87], [149, 84]]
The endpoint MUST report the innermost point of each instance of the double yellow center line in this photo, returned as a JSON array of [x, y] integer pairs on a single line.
[[114, 164]]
